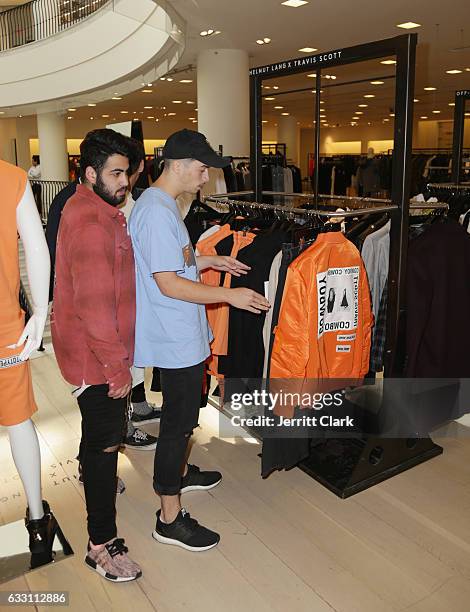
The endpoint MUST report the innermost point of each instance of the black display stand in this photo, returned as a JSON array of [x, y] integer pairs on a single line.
[[347, 466], [461, 97]]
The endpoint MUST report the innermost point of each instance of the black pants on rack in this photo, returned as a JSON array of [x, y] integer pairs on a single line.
[[103, 424], [181, 388]]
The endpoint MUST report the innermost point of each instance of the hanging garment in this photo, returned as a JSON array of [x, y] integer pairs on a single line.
[[271, 297], [438, 303], [309, 342], [245, 354], [375, 254], [223, 242], [379, 334]]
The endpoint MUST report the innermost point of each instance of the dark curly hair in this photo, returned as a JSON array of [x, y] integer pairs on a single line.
[[97, 146], [136, 155]]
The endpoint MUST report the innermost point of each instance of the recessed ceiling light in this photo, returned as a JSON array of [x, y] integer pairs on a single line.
[[177, 101], [455, 71], [369, 96], [436, 112], [186, 81], [260, 42], [135, 113], [67, 117], [171, 114], [169, 79], [363, 105], [71, 110], [150, 117], [264, 121], [275, 86], [386, 119], [312, 76], [392, 114], [423, 117], [105, 116], [359, 113], [146, 91], [415, 100], [192, 118], [266, 40], [278, 107], [322, 116], [376, 82], [308, 50], [451, 103], [294, 3], [467, 69], [270, 99], [91, 104], [115, 93], [116, 98], [285, 114], [124, 112], [190, 102], [203, 33], [148, 107], [429, 89], [408, 25], [355, 117], [162, 78], [388, 62], [467, 114]]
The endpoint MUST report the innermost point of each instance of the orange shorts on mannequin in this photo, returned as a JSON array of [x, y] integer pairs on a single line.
[[16, 389]]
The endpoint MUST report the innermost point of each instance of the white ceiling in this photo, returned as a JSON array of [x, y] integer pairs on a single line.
[[443, 43]]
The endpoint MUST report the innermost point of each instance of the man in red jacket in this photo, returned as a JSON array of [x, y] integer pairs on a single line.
[[93, 333]]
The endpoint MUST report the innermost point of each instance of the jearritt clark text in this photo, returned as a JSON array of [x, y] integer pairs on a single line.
[[303, 421]]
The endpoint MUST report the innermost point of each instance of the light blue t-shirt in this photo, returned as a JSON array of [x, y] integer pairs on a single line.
[[169, 333]]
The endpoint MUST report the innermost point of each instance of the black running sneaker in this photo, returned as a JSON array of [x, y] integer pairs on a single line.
[[152, 416], [140, 440], [195, 480], [186, 532]]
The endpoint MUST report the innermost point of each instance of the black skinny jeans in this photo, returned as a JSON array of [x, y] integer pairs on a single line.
[[181, 389], [103, 424]]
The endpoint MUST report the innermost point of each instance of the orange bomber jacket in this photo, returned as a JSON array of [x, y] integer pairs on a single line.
[[325, 321]]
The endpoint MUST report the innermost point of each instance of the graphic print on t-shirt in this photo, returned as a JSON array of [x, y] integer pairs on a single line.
[[188, 254], [337, 297]]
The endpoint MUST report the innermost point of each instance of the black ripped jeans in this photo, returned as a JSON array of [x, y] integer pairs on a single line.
[[103, 424], [181, 389]]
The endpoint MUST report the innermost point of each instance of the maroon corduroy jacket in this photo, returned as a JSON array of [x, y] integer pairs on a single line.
[[93, 314]]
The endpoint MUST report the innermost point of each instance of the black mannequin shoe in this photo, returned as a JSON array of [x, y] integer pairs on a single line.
[[41, 531]]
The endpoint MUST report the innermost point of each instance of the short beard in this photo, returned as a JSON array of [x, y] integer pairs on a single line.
[[100, 189]]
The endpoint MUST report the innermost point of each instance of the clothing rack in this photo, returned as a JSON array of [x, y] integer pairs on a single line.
[[352, 471]]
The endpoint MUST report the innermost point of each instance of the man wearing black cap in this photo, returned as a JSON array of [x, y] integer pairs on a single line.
[[172, 332]]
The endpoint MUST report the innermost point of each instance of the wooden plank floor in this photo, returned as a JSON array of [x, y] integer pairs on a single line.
[[286, 541]]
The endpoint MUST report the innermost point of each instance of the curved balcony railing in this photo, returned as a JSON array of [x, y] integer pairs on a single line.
[[40, 19]]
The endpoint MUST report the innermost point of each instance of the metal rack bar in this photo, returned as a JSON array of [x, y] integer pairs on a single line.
[[299, 211], [461, 97]]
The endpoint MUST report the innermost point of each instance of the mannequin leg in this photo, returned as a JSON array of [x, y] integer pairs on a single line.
[[27, 457]]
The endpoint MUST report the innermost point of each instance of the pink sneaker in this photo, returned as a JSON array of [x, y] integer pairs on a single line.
[[112, 562]]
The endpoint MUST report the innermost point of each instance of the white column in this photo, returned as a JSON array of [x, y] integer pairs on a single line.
[[288, 132], [223, 99], [53, 147]]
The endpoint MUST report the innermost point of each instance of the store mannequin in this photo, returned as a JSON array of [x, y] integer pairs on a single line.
[[17, 342]]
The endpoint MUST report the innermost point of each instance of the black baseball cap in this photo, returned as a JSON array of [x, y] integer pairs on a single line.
[[187, 144]]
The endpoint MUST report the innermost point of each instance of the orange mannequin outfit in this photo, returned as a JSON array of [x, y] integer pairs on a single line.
[[16, 389]]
